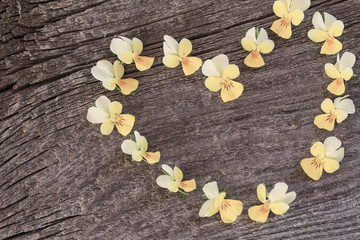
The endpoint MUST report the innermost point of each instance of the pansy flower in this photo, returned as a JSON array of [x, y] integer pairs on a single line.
[[327, 27], [110, 75], [327, 156], [341, 71], [256, 42], [289, 12], [138, 147], [173, 180], [220, 74], [229, 209], [277, 201], [109, 115], [129, 50], [337, 110], [175, 52]]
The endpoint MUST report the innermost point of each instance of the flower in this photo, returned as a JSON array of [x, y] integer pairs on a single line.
[[256, 42], [277, 201], [109, 114], [129, 50], [327, 156], [172, 180], [341, 71], [220, 74], [138, 149], [289, 11], [339, 110], [229, 209], [179, 52], [326, 28], [110, 75]]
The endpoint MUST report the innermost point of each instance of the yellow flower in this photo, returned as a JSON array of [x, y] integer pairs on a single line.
[[326, 29], [341, 71], [173, 180], [256, 42], [229, 209], [220, 75], [337, 110], [289, 12], [110, 75], [327, 156], [109, 114], [138, 149], [129, 50], [179, 52], [277, 201]]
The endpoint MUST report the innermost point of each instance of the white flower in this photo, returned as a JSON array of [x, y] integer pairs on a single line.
[[138, 149], [173, 180]]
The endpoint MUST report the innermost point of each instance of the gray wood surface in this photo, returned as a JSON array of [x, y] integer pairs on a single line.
[[61, 179]]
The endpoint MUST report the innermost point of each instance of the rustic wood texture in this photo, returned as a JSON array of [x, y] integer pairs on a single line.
[[61, 179]]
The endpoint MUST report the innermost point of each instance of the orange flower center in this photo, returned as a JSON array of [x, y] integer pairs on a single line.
[[339, 81], [331, 118], [224, 205], [255, 54], [285, 22], [264, 209], [316, 162], [185, 61], [228, 84], [119, 120], [330, 41]]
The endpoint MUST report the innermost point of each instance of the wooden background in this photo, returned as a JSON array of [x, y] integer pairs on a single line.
[[61, 179]]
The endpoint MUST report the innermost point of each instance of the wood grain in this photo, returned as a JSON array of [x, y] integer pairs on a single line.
[[61, 179]]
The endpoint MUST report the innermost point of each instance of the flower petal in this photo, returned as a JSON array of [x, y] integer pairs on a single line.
[[337, 155], [107, 127], [231, 71], [262, 37], [251, 34], [118, 70], [143, 144], [164, 181], [209, 69], [267, 46], [143, 63], [347, 60], [170, 45], [178, 174], [171, 60], [280, 9], [168, 170], [137, 46], [318, 22], [188, 186], [288, 197], [103, 70], [279, 208], [331, 165], [331, 46], [347, 73], [190, 64], [302, 5], [337, 87], [122, 49], [137, 156], [254, 59], [317, 35], [220, 61], [214, 83], [313, 170], [331, 71], [261, 192], [327, 105], [341, 115], [336, 29], [126, 125], [345, 104], [185, 47], [128, 146], [318, 150], [278, 191], [128, 85], [231, 90], [230, 210], [96, 115], [204, 210], [103, 103], [211, 190], [296, 17], [329, 19], [259, 213], [248, 44], [331, 144], [325, 121], [115, 108], [282, 28], [152, 157]]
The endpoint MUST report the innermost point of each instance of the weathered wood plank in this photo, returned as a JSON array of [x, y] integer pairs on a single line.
[[61, 179]]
